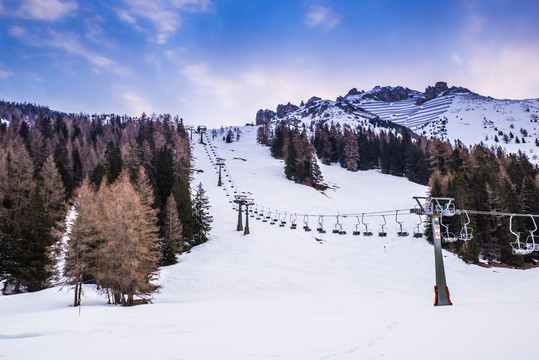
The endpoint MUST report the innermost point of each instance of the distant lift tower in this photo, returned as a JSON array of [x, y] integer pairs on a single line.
[[220, 163], [201, 129], [240, 200], [436, 207], [247, 203]]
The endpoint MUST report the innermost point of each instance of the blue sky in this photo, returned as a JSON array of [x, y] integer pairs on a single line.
[[218, 62]]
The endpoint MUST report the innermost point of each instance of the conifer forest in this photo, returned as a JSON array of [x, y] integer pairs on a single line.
[[124, 182]]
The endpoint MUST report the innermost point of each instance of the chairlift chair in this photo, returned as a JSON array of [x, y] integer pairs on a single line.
[[283, 221], [518, 248], [466, 231], [417, 232], [530, 240], [356, 231], [338, 228], [293, 219], [401, 232], [273, 218], [320, 227], [306, 223], [447, 236], [367, 232], [382, 231]]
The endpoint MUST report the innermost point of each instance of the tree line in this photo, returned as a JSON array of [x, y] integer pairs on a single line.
[[479, 178], [129, 182]]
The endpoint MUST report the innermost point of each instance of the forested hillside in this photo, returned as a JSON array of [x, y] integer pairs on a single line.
[[479, 178], [125, 178]]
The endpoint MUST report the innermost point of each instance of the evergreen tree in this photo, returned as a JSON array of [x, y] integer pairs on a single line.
[[132, 162], [229, 136], [164, 175], [290, 168], [277, 141], [77, 168], [97, 175], [53, 191], [172, 234], [182, 196], [61, 158], [351, 151], [30, 260], [113, 162], [201, 217]]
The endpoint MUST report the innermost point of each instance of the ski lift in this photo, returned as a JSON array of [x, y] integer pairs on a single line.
[[320, 227], [382, 231], [517, 247], [293, 219], [401, 232], [276, 216], [449, 209], [261, 214], [417, 232], [273, 219], [530, 240], [337, 229], [466, 232], [447, 236], [306, 223], [356, 231], [367, 232], [283, 221]]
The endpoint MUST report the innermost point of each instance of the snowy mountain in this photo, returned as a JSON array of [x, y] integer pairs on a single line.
[[447, 113], [285, 293]]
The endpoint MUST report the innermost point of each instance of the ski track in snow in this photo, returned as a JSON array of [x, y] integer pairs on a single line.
[[281, 294]]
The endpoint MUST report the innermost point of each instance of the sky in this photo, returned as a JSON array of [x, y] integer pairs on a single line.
[[216, 62]]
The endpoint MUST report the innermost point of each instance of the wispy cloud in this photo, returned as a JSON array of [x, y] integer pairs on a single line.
[[135, 103], [69, 43], [165, 15], [321, 16], [6, 73], [47, 10], [503, 70]]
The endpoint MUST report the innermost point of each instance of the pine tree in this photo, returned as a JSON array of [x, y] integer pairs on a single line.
[[30, 260], [201, 217], [77, 168], [97, 175], [113, 162], [172, 235], [351, 151], [132, 162], [16, 184], [164, 175], [290, 168], [277, 141], [53, 191], [61, 158], [182, 196]]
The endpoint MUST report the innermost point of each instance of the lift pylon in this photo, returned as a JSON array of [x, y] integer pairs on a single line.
[[435, 207]]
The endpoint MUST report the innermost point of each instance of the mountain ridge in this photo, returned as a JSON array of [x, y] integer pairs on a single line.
[[447, 113]]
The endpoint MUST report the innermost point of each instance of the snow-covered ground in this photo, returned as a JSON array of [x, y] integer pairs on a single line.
[[288, 294]]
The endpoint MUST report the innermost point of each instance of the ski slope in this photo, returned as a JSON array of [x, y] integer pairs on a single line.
[[289, 294], [410, 115]]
